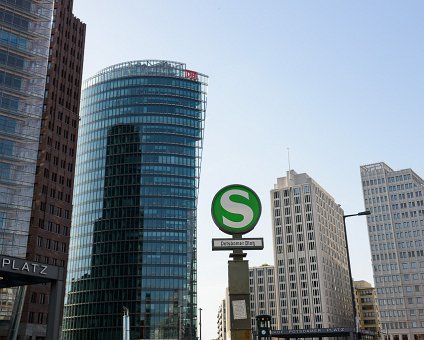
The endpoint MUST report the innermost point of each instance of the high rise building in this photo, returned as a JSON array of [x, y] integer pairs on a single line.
[[133, 238], [310, 257], [24, 47], [222, 321], [263, 299], [52, 201], [396, 234], [367, 306]]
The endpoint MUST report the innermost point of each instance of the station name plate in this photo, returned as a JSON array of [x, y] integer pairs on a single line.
[[242, 243]]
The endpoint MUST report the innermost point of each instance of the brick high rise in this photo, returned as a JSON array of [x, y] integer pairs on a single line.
[[52, 201]]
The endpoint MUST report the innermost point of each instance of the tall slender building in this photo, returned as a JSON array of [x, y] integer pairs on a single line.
[[221, 321], [310, 256], [50, 221], [25, 28], [133, 238], [396, 234]]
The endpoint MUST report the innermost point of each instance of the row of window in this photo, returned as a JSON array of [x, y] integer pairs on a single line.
[[387, 278], [410, 233], [409, 254], [404, 196], [57, 145], [400, 187], [53, 227], [384, 256], [39, 298], [377, 181], [410, 301], [57, 211], [51, 244], [402, 325], [144, 96], [40, 318], [400, 313], [410, 244], [405, 205], [138, 80], [49, 260]]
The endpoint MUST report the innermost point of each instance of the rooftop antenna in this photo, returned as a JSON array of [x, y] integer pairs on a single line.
[[288, 157]]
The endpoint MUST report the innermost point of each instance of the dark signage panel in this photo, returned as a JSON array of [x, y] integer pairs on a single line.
[[21, 268], [340, 331]]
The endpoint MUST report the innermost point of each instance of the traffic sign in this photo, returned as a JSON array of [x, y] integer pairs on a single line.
[[237, 243], [236, 209]]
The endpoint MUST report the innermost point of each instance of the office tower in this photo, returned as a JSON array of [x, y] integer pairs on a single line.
[[24, 47], [262, 294], [310, 257], [396, 234], [367, 306], [222, 321], [52, 201], [133, 238]]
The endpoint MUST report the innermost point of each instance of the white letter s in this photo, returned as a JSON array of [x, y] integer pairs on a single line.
[[236, 208]]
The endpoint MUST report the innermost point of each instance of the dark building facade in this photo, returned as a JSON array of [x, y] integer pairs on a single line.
[[50, 222], [133, 239]]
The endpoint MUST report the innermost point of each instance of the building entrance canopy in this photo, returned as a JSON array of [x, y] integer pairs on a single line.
[[15, 272]]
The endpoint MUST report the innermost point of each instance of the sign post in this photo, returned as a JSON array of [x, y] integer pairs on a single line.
[[236, 210]]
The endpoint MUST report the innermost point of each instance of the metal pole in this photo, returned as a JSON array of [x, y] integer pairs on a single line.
[[55, 304], [125, 324], [200, 323], [352, 291]]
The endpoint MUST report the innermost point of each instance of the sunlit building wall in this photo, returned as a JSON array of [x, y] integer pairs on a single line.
[[310, 257], [396, 235]]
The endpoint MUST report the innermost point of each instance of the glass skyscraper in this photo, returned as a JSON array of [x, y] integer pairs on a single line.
[[133, 237], [24, 47]]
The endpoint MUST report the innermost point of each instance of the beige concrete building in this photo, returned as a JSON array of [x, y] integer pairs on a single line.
[[222, 320], [367, 306], [263, 298], [310, 257], [396, 234]]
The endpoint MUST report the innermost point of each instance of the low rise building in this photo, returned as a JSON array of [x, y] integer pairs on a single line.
[[367, 306], [262, 294]]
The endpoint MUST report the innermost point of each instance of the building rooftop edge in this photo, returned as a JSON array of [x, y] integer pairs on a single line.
[[142, 63], [283, 182]]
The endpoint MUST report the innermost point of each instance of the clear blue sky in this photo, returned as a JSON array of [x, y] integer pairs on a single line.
[[340, 83]]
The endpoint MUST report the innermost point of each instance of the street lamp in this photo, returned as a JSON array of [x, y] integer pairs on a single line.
[[352, 291]]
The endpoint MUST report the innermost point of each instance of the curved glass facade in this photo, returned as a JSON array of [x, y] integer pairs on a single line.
[[133, 237]]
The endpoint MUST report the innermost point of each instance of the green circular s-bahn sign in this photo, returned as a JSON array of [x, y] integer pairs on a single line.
[[236, 209]]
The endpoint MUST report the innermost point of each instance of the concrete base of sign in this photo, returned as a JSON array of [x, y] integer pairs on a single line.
[[239, 298]]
